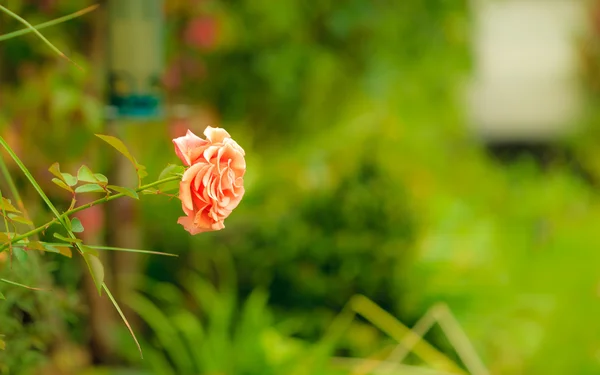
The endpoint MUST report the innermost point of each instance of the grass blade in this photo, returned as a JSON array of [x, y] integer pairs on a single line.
[[68, 17], [34, 30], [110, 248], [114, 302]]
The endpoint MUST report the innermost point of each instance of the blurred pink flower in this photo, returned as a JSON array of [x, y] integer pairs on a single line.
[[202, 33], [180, 67]]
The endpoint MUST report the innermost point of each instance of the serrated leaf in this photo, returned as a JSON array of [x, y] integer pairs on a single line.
[[101, 178], [96, 269], [7, 206], [171, 170], [66, 239], [20, 254], [89, 188], [69, 179], [86, 175], [125, 190], [76, 225], [20, 219], [62, 184]]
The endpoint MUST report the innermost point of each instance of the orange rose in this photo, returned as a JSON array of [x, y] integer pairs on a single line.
[[213, 185]]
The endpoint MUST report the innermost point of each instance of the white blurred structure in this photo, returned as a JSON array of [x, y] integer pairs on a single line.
[[525, 85]]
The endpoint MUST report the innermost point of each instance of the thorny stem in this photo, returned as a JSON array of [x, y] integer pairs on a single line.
[[81, 208]]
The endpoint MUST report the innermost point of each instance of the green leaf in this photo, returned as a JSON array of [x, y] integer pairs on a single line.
[[89, 188], [76, 225], [65, 178], [86, 175], [50, 248], [89, 250], [69, 179], [55, 170], [20, 219], [62, 184], [6, 236], [66, 239], [125, 190], [120, 146], [101, 178], [58, 249], [169, 186], [141, 171], [6, 205], [35, 245], [20, 254], [1, 342], [96, 269], [171, 170]]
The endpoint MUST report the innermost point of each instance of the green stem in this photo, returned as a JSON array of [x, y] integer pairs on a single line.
[[119, 195], [81, 208]]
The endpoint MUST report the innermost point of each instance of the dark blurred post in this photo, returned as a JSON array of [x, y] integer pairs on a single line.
[[135, 98]]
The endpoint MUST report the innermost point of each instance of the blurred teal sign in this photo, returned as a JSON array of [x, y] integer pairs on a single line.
[[135, 58]]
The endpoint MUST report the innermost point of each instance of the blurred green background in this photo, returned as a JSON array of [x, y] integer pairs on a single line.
[[363, 179]]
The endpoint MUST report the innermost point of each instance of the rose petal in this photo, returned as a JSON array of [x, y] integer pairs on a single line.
[[189, 147], [216, 135]]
